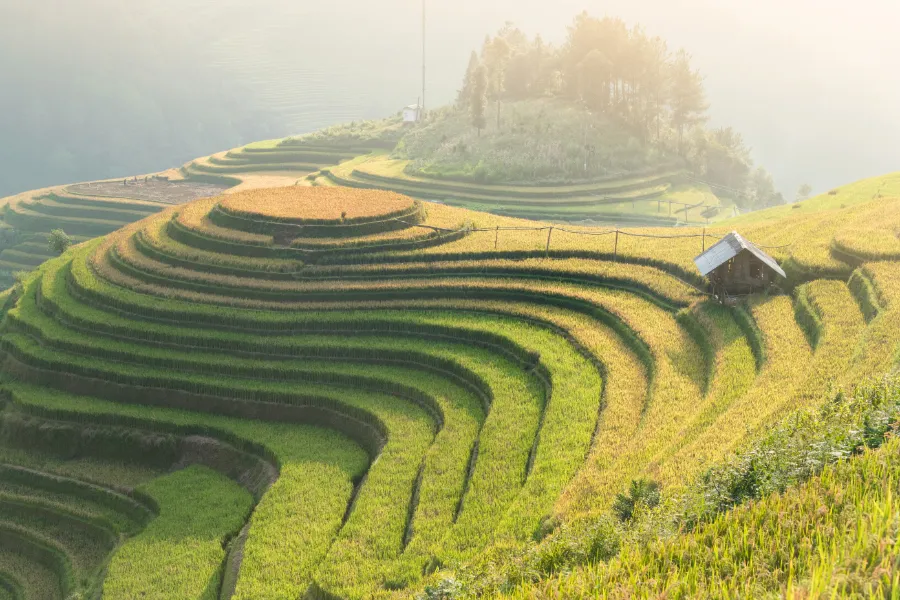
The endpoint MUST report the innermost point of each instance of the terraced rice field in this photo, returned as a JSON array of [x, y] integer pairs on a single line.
[[283, 159], [83, 211], [150, 190], [661, 199], [654, 200], [334, 392], [834, 537]]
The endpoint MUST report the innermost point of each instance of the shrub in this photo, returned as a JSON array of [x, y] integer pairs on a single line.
[[641, 492], [448, 589], [798, 449], [59, 242]]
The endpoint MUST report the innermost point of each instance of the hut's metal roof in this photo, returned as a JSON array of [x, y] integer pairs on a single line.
[[727, 248]]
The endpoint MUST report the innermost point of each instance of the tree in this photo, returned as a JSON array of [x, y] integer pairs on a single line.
[[478, 98], [725, 161], [594, 78], [586, 34], [519, 76], [687, 100], [59, 242], [544, 68], [804, 192], [514, 37], [465, 94], [495, 58], [762, 190], [656, 80]]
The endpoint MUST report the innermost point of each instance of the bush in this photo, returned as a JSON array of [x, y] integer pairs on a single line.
[[59, 242], [448, 589], [798, 449], [641, 492]]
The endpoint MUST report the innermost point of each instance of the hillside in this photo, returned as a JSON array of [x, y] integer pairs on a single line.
[[82, 211], [538, 141], [610, 103], [351, 393]]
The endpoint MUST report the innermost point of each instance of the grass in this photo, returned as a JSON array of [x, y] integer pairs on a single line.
[[832, 537], [309, 498], [645, 199], [322, 205], [486, 449], [199, 510], [34, 580], [549, 137], [87, 542], [426, 408], [34, 214], [109, 473], [65, 527]]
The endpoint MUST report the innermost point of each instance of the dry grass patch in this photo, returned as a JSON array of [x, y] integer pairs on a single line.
[[299, 203]]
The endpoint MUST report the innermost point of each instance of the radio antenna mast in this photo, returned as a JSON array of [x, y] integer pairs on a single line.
[[422, 116]]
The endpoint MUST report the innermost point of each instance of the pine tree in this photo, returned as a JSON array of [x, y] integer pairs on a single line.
[[478, 98], [496, 58], [656, 82], [687, 99], [593, 82], [465, 94]]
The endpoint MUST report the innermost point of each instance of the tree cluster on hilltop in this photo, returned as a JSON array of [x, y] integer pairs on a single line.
[[621, 73]]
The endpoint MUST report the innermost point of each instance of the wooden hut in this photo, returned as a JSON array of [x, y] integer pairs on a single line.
[[736, 266]]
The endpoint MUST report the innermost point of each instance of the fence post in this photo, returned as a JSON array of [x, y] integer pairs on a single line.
[[496, 236], [547, 251], [616, 248], [704, 239]]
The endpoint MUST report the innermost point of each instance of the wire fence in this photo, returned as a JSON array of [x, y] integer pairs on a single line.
[[615, 232]]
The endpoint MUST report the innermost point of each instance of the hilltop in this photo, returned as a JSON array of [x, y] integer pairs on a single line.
[[610, 103]]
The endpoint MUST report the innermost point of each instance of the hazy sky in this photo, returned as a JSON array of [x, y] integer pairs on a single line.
[[813, 86]]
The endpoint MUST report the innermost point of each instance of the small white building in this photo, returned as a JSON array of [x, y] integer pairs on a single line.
[[412, 113]]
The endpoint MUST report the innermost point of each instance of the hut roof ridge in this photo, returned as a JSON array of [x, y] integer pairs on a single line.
[[727, 248]]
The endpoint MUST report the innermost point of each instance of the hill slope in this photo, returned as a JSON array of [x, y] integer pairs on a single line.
[[508, 376]]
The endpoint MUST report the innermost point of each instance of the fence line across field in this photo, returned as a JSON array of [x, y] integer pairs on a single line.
[[617, 232]]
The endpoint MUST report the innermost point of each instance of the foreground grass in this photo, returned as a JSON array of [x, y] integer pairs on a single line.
[[835, 536], [309, 498], [24, 576], [199, 510]]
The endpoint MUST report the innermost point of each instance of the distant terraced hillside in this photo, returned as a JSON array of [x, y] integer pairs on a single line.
[[398, 387], [83, 211], [658, 199], [88, 210]]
